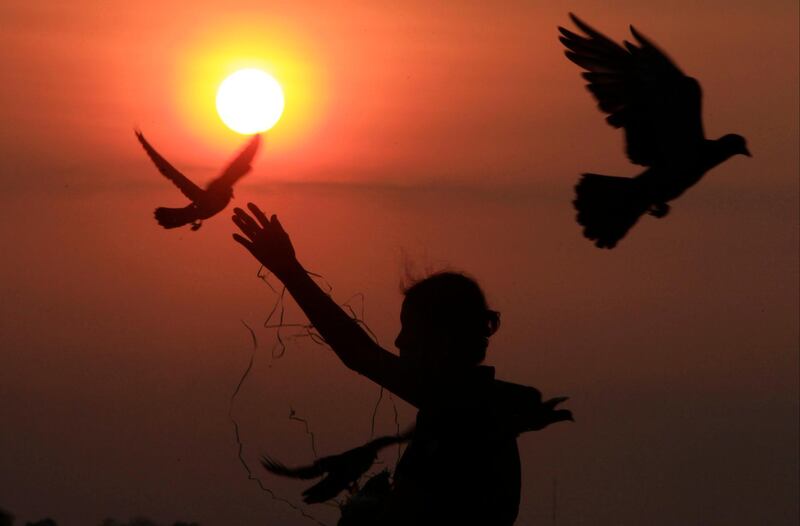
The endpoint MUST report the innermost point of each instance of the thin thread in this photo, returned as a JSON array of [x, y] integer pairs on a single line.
[[359, 318], [375, 413], [293, 416], [240, 444], [357, 314], [307, 330]]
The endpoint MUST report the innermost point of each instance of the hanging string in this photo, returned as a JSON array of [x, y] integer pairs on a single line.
[[240, 444], [276, 320]]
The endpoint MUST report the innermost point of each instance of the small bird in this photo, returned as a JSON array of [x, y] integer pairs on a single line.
[[341, 471], [205, 203], [659, 107]]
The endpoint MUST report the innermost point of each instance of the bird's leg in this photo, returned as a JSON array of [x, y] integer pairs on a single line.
[[196, 225], [658, 210]]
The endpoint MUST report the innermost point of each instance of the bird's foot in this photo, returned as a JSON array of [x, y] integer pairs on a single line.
[[658, 210], [196, 225]]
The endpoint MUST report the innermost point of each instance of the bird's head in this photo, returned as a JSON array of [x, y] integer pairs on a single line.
[[733, 144]]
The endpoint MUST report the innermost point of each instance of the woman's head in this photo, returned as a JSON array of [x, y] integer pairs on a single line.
[[446, 322]]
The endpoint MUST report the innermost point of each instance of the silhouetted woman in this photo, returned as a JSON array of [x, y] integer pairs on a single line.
[[462, 465]]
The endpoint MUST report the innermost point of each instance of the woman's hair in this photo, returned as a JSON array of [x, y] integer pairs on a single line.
[[454, 304]]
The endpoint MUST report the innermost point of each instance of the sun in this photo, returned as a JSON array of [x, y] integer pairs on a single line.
[[250, 101]]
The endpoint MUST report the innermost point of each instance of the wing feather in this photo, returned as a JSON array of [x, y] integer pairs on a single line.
[[303, 472], [239, 166], [640, 89], [187, 187]]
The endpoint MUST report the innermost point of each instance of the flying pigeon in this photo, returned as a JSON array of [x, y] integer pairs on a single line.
[[659, 107], [341, 471], [205, 203]]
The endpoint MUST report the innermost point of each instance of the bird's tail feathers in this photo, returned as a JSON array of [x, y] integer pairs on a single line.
[[175, 217], [608, 207]]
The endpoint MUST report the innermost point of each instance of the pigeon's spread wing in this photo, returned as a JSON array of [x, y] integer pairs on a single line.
[[641, 90], [341, 471], [239, 166], [338, 470], [327, 488], [188, 188]]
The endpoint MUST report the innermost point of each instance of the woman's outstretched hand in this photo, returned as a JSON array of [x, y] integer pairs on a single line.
[[266, 240]]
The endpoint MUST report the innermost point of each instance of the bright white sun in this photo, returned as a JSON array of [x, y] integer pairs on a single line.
[[250, 101]]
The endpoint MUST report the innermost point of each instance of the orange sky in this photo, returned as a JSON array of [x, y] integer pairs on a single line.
[[427, 132], [418, 93]]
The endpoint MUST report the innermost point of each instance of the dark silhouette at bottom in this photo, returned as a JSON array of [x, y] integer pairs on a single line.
[[7, 519], [462, 464]]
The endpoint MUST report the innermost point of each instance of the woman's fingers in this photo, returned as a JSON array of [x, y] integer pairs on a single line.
[[246, 228], [266, 223], [241, 224], [246, 223], [246, 243], [244, 216], [256, 211], [276, 222]]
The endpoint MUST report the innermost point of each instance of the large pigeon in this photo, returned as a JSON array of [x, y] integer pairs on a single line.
[[205, 203], [659, 107]]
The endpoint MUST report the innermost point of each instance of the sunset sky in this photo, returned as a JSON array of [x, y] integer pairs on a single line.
[[417, 136]]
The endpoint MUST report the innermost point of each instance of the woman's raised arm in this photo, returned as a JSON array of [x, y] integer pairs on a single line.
[[270, 244]]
